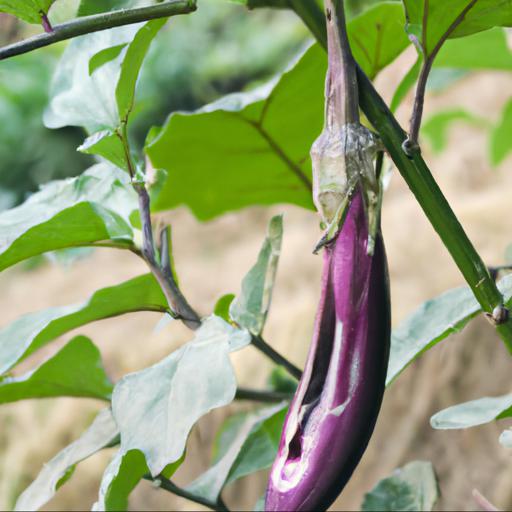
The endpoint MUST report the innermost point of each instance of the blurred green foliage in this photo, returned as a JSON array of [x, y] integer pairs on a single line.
[[221, 49]]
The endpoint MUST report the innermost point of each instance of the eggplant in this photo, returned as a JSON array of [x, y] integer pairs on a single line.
[[333, 413]]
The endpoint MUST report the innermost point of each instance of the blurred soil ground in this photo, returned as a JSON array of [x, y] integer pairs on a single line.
[[212, 258]]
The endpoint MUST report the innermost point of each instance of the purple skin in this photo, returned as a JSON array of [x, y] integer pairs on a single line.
[[334, 410]]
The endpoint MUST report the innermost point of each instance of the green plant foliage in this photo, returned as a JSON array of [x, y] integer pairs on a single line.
[[43, 154], [432, 322], [132, 63], [94, 86], [266, 132], [501, 141], [76, 370], [377, 37], [484, 50], [251, 306], [246, 443], [94, 207], [121, 476], [429, 22], [155, 408], [222, 306], [473, 413], [99, 435], [436, 127], [30, 332], [27, 10], [411, 488]]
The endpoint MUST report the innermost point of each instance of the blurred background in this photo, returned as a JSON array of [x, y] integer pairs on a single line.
[[220, 49]]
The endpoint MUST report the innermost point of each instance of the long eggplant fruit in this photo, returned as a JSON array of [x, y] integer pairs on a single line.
[[333, 413]]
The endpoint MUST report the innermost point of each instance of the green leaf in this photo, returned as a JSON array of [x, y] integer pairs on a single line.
[[105, 56], [377, 36], [485, 50], [432, 322], [100, 434], [132, 62], [108, 145], [30, 332], [246, 443], [222, 306], [93, 207], [473, 413], [76, 370], [250, 308], [506, 438], [266, 132], [78, 98], [501, 143], [436, 127], [411, 488], [121, 477], [156, 408], [430, 22], [27, 10]]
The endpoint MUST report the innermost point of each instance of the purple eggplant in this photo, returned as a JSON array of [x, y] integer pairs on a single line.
[[334, 410]]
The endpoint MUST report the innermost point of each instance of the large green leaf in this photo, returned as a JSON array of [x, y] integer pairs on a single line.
[[76, 370], [121, 476], [27, 10], [30, 332], [473, 413], [253, 148], [501, 141], [100, 434], [377, 36], [246, 443], [432, 322], [249, 148], [94, 207], [250, 308], [156, 408], [411, 488], [431, 21]]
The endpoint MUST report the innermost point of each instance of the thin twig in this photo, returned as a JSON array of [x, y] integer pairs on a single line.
[[181, 308], [262, 396], [264, 347], [411, 143], [97, 22], [169, 486]]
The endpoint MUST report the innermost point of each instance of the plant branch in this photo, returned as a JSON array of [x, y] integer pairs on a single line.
[[262, 396], [181, 308], [264, 347], [97, 22], [167, 485], [423, 185], [411, 143]]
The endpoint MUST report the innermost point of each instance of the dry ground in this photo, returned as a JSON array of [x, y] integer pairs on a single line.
[[211, 260]]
